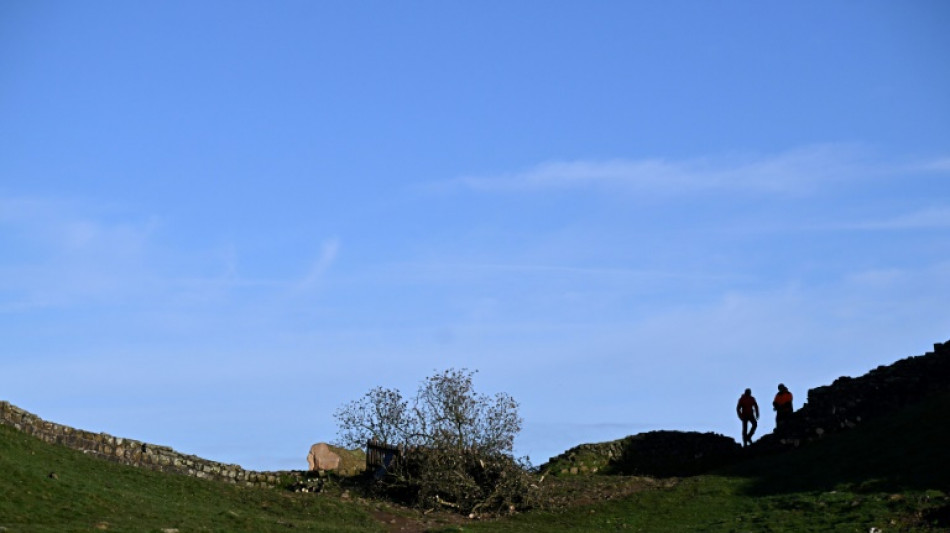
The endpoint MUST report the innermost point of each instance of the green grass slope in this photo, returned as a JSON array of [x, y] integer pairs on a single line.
[[892, 474], [45, 487]]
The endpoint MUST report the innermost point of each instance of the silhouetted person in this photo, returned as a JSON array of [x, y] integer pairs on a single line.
[[748, 411], [782, 405]]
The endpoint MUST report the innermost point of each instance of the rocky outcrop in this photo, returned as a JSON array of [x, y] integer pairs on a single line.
[[656, 453], [849, 401], [842, 405], [674, 453]]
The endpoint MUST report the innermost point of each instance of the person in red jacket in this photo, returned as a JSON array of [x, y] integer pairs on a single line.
[[748, 411], [782, 405]]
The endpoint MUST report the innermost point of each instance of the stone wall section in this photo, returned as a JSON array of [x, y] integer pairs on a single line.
[[840, 406], [139, 454], [849, 401]]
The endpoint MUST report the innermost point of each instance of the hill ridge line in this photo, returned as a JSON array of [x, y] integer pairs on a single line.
[[136, 453], [840, 406], [848, 401]]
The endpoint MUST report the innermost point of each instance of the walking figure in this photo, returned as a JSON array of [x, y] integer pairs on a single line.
[[782, 405], [748, 411]]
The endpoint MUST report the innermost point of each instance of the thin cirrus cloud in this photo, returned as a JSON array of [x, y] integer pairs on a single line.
[[938, 165], [794, 172], [328, 254], [61, 255], [928, 218]]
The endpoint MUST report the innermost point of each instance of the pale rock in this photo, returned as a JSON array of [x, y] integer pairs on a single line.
[[321, 457]]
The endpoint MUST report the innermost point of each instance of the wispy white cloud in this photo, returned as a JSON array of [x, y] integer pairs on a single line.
[[466, 271], [328, 254], [67, 253], [939, 165], [928, 218], [792, 172], [61, 254]]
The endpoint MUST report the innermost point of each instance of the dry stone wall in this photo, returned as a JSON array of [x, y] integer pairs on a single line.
[[139, 454], [849, 401], [842, 405]]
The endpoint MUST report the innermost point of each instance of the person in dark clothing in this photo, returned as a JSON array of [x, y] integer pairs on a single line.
[[748, 411], [782, 406]]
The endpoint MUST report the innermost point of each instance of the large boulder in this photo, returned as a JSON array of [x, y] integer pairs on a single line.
[[321, 457]]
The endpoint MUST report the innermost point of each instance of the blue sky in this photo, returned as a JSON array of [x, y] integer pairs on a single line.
[[220, 221]]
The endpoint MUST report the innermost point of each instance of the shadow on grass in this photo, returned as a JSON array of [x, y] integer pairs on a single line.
[[905, 450]]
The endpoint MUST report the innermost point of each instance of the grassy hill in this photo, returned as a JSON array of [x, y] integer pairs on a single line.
[[45, 487], [892, 474]]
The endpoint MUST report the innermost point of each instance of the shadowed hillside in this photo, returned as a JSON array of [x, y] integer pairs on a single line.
[[888, 475], [849, 402], [905, 449], [844, 405]]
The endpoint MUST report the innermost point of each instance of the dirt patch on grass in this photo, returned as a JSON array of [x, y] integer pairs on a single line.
[[558, 493], [404, 520], [399, 523], [578, 491]]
